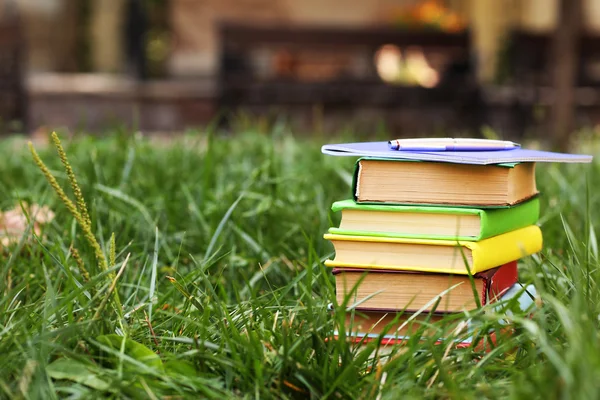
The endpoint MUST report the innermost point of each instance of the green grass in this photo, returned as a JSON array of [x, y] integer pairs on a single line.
[[224, 293]]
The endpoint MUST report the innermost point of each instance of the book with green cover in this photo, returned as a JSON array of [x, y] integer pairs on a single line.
[[424, 222]]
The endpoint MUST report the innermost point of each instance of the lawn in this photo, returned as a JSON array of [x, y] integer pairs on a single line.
[[215, 285]]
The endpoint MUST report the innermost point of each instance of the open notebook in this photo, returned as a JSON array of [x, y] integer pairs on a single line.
[[381, 149]]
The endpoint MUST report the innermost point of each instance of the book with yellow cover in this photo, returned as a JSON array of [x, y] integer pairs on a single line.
[[442, 256]]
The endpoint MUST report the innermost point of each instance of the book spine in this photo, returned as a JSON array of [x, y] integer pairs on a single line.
[[499, 221], [502, 249], [504, 278], [498, 282]]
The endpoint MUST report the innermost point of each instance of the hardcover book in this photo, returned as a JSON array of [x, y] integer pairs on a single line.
[[432, 222], [405, 291], [426, 255], [521, 296], [409, 182], [402, 324]]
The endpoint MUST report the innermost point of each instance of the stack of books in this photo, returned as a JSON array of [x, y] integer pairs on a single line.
[[419, 240]]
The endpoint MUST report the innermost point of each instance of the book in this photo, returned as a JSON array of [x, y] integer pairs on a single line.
[[407, 182], [426, 255], [387, 342], [432, 222], [393, 333], [408, 291], [403, 324], [381, 149]]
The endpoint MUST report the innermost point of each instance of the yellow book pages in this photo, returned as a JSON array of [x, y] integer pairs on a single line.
[[481, 256]]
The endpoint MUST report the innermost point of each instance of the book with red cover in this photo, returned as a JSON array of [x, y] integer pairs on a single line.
[[385, 290]]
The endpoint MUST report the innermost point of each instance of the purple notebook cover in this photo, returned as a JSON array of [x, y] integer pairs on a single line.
[[381, 149]]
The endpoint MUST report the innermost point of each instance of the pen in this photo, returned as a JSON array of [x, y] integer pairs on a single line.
[[449, 144]]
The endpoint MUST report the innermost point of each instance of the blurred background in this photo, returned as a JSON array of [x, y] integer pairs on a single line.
[[411, 67]]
